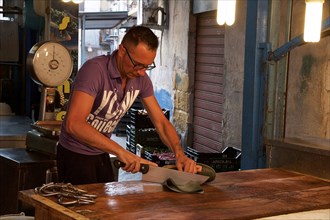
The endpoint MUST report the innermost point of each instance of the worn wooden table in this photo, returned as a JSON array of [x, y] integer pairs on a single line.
[[233, 195]]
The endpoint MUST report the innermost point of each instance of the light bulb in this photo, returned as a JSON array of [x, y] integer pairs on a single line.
[[230, 12], [77, 1], [226, 12], [313, 20], [66, 1], [221, 12]]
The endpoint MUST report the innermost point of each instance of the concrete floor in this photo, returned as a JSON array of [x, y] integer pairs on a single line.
[[121, 140]]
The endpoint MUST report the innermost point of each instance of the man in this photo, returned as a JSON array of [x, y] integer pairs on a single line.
[[103, 90]]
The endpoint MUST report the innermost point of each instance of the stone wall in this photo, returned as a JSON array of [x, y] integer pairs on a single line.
[[308, 95]]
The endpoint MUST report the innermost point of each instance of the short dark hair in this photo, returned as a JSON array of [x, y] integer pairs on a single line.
[[137, 34]]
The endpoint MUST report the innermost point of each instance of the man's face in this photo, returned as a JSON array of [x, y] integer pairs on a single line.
[[137, 60]]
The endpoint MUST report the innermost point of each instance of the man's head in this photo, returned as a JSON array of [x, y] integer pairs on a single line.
[[137, 52], [140, 34]]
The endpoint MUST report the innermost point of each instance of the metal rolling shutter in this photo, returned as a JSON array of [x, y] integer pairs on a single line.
[[209, 84]]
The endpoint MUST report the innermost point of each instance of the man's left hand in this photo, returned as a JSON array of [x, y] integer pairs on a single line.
[[183, 163]]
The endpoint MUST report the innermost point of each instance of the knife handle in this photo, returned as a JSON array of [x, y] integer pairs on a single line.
[[144, 168]]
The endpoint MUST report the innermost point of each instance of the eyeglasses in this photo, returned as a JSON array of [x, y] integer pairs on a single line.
[[140, 66]]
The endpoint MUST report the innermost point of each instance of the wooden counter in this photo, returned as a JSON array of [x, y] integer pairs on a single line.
[[233, 195]]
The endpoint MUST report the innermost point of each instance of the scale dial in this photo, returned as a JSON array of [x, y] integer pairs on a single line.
[[50, 63]]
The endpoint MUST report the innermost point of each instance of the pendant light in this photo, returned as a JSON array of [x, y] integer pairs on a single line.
[[313, 20], [226, 12], [77, 1], [74, 1]]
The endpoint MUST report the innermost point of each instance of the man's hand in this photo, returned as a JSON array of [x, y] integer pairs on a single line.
[[183, 163], [133, 162]]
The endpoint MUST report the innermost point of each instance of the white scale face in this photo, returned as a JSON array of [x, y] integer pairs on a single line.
[[50, 63]]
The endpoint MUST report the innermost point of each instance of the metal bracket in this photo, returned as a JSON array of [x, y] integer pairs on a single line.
[[296, 42]]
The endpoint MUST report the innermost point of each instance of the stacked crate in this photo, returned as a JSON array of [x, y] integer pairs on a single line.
[[120, 129], [228, 160], [144, 141], [142, 138]]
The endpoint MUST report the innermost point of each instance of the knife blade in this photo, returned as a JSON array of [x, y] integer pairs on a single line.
[[160, 174]]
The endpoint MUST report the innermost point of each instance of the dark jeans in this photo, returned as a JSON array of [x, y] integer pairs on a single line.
[[83, 169]]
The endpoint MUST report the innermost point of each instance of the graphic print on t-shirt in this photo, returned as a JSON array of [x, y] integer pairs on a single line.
[[106, 121]]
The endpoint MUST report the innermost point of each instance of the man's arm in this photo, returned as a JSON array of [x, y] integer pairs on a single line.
[[168, 134]]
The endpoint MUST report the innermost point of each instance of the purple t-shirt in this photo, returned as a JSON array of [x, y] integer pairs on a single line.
[[100, 78]]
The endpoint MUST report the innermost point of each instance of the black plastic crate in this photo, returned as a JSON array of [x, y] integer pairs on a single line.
[[145, 137], [228, 160], [155, 158], [140, 118], [130, 147]]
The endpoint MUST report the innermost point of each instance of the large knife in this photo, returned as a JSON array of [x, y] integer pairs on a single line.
[[160, 175]]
